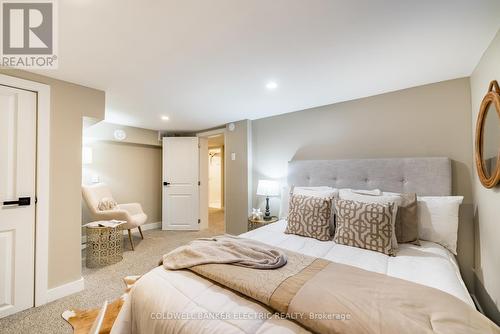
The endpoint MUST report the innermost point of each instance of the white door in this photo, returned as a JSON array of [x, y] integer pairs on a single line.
[[180, 183], [17, 199], [203, 205]]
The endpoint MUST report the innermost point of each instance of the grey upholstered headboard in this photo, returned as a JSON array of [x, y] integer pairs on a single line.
[[424, 176]]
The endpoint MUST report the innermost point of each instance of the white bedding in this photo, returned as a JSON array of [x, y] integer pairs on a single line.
[[165, 294]]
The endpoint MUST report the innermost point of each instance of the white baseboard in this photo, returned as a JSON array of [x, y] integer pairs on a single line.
[[145, 227], [150, 226], [65, 290]]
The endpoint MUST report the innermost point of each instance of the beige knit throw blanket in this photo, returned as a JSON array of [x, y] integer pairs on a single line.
[[226, 249]]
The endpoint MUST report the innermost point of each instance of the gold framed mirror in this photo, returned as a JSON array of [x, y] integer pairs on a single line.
[[487, 148]]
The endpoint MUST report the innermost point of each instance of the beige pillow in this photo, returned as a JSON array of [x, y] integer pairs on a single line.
[[309, 216], [407, 219], [364, 225], [106, 204]]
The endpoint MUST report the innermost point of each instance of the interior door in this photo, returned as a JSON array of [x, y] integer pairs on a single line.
[[180, 183], [17, 197]]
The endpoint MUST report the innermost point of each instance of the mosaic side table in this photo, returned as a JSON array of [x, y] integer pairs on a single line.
[[256, 223], [104, 244]]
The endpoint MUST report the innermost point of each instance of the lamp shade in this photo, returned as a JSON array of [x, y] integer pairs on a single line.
[[268, 188]]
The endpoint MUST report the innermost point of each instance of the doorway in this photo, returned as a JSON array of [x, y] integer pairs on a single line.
[[212, 176], [216, 183]]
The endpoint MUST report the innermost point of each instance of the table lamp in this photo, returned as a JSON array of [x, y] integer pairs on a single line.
[[268, 188]]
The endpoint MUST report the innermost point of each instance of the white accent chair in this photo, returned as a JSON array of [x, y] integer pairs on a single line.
[[131, 213]]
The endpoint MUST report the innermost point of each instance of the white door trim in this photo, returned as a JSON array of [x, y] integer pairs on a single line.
[[212, 132], [42, 182]]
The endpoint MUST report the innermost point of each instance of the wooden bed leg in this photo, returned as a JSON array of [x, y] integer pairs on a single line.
[[140, 231], [130, 238]]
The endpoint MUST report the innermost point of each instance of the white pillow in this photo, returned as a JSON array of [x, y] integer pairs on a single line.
[[285, 197], [321, 191], [374, 192], [438, 220], [365, 196]]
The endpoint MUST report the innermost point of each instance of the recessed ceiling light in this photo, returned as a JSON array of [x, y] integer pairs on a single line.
[[165, 118], [271, 85]]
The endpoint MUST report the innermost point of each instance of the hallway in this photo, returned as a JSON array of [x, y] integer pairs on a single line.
[[216, 220]]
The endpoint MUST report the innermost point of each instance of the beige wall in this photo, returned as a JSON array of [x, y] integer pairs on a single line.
[[238, 194], [132, 171], [486, 201], [131, 167], [105, 131], [69, 103], [430, 120]]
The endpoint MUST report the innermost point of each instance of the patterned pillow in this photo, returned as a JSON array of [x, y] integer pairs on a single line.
[[321, 191], [364, 225], [309, 216]]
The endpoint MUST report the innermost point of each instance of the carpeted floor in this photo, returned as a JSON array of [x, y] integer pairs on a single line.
[[216, 219], [102, 283]]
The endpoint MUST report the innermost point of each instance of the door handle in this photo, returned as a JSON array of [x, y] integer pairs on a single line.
[[21, 201], [166, 183]]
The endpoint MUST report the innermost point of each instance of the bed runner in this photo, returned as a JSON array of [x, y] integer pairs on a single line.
[[329, 297]]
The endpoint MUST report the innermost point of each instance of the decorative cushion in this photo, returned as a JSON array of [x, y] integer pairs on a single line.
[[310, 216], [364, 225], [320, 191], [407, 220], [106, 204], [323, 192], [375, 196]]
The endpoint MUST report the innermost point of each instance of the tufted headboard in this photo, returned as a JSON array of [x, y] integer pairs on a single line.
[[424, 176]]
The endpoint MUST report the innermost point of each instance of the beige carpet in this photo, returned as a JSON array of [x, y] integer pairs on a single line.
[[102, 283], [216, 219]]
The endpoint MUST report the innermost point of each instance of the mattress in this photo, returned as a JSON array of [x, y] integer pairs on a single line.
[[182, 302]]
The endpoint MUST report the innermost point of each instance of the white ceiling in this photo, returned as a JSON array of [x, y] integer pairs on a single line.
[[206, 63]]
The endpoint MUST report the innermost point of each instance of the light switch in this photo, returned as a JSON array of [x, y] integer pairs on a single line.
[[233, 156]]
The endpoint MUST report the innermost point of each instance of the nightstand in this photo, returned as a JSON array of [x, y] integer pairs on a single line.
[[256, 223], [104, 243]]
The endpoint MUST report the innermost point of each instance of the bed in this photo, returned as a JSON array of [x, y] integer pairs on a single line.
[[182, 302]]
